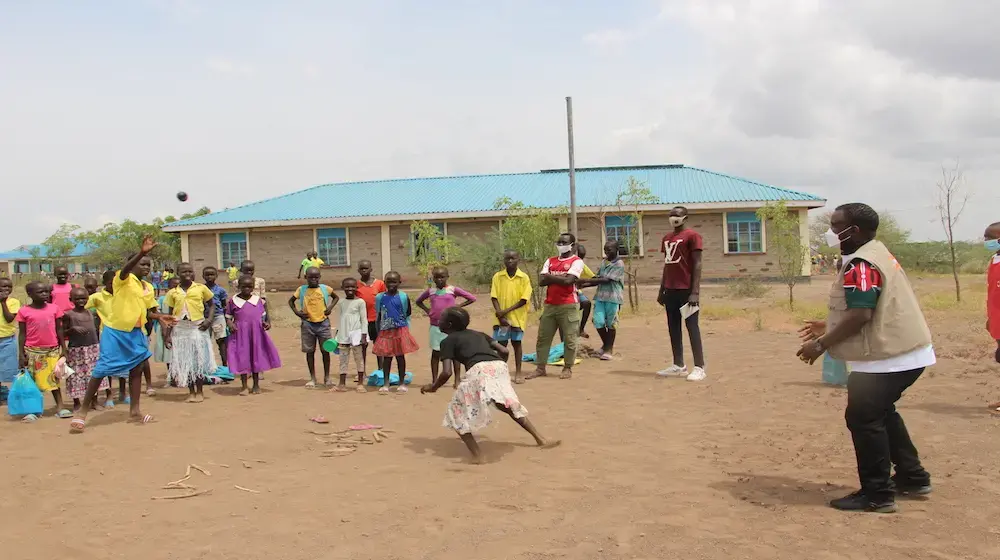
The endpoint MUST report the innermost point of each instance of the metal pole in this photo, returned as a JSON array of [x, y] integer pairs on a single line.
[[572, 169]]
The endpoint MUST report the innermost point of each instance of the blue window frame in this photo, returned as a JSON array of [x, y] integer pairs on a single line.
[[624, 230], [22, 267], [331, 245], [744, 233], [233, 248]]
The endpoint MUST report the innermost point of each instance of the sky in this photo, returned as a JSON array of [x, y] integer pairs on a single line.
[[108, 108]]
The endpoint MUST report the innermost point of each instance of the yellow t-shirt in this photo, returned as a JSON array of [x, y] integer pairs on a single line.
[[190, 304], [9, 329], [149, 295], [234, 272], [101, 302], [129, 304], [509, 291], [314, 306], [587, 273]]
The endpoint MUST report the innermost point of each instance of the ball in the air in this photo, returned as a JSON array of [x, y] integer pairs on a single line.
[[182, 196]]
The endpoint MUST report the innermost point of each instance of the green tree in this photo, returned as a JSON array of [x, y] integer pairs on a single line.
[[630, 199], [113, 243], [57, 248], [785, 241], [430, 247], [531, 232]]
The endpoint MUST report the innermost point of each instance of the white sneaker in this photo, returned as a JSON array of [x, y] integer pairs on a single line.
[[673, 371], [697, 374]]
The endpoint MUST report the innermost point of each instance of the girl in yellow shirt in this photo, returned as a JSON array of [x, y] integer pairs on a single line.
[[191, 357]]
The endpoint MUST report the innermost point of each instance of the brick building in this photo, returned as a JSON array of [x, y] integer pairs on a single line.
[[348, 222]]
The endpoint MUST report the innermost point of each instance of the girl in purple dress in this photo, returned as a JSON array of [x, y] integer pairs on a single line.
[[251, 351]]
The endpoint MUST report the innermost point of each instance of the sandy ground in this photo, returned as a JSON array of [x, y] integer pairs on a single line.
[[740, 466]]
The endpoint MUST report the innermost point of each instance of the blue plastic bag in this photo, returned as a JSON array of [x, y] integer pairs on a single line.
[[835, 371], [556, 353], [24, 397], [377, 378]]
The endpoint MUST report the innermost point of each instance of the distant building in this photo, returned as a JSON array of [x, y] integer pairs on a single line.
[[348, 222], [20, 260]]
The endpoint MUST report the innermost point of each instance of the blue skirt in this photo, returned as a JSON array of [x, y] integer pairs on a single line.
[[8, 359], [121, 352]]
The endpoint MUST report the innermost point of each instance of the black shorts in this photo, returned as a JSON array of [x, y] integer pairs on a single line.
[[372, 332]]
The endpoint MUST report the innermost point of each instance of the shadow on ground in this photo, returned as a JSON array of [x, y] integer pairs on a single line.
[[775, 490]]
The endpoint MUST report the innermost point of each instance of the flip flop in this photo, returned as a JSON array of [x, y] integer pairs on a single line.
[[360, 389], [64, 413], [29, 419], [320, 419], [150, 392], [77, 425], [311, 385], [402, 389], [146, 419], [128, 400], [109, 403], [383, 390]]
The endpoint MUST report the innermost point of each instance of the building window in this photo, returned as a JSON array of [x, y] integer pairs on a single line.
[[233, 248], [22, 267], [744, 233], [626, 231], [331, 244], [418, 246]]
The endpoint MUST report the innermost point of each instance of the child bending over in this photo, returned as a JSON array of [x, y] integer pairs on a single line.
[[486, 384]]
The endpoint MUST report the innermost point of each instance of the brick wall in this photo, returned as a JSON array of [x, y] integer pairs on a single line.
[[366, 244], [202, 250], [277, 255]]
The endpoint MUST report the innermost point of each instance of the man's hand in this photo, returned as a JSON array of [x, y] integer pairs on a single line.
[[661, 298], [812, 330], [147, 244], [810, 351], [694, 299]]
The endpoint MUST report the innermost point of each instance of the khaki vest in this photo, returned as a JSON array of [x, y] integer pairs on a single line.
[[897, 326]]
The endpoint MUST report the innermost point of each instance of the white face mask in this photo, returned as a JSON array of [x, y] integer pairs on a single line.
[[833, 238], [563, 249], [676, 221]]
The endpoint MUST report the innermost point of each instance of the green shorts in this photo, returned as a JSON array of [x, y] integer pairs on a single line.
[[437, 337]]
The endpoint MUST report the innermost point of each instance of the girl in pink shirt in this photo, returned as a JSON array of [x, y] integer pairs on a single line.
[[62, 288], [40, 342]]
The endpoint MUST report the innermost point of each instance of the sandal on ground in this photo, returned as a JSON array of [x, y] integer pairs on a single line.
[[311, 385], [360, 389], [150, 392], [606, 357], [64, 413], [29, 419], [128, 400], [109, 403], [146, 419], [339, 389], [402, 389], [383, 390], [77, 425], [319, 419]]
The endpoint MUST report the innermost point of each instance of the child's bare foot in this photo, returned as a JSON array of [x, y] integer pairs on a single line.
[[540, 372], [549, 443], [244, 392], [191, 399], [566, 373], [518, 378], [200, 397], [255, 391], [478, 459]]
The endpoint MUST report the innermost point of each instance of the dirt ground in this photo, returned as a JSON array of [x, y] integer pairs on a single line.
[[739, 466]]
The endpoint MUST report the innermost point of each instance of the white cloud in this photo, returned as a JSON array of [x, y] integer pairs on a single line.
[[228, 66], [609, 39], [311, 71]]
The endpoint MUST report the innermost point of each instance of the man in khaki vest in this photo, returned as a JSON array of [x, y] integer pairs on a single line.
[[876, 326]]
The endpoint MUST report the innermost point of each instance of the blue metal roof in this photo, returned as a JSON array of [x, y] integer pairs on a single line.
[[671, 184], [23, 253]]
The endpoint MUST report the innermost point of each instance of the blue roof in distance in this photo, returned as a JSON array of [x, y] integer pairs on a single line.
[[671, 184]]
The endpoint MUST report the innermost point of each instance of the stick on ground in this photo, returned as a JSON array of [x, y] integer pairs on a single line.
[[201, 470], [181, 497], [238, 487]]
